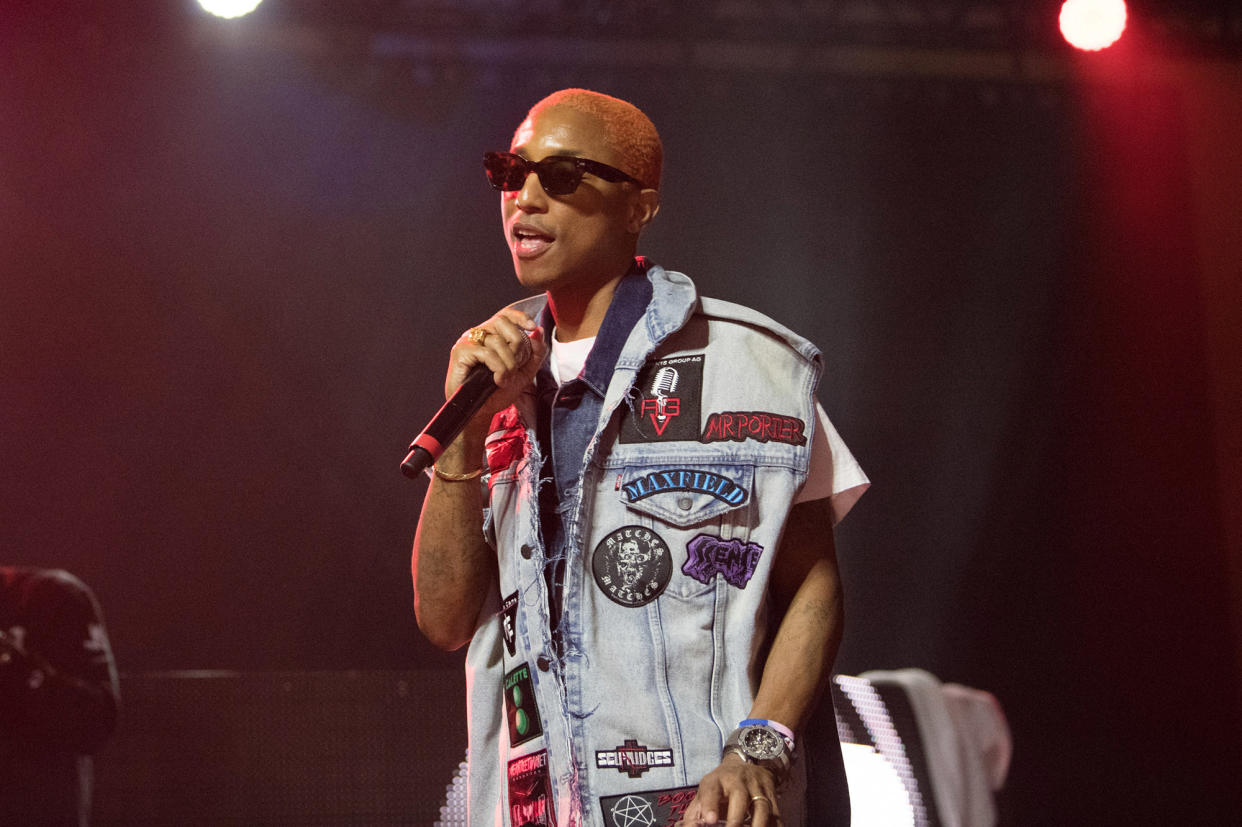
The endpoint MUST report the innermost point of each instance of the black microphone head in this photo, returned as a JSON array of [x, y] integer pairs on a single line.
[[416, 462]]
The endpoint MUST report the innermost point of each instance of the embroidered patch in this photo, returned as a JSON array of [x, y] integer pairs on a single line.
[[632, 565], [686, 479], [668, 405], [648, 809], [520, 707], [530, 791], [508, 623], [633, 758], [506, 440], [761, 426], [707, 556]]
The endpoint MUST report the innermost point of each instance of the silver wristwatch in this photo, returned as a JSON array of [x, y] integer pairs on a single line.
[[761, 745]]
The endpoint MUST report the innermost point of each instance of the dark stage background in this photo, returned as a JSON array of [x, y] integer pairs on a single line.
[[233, 262]]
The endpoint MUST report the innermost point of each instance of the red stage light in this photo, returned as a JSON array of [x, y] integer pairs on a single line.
[[1092, 25]]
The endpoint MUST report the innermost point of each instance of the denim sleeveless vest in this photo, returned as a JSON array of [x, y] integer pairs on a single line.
[[702, 442]]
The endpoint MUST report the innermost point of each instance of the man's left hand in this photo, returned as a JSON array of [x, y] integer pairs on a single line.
[[733, 794]]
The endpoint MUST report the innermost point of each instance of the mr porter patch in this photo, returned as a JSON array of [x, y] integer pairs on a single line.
[[761, 426], [632, 565]]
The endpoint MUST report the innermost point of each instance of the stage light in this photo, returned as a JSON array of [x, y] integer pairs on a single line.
[[1092, 25], [229, 8]]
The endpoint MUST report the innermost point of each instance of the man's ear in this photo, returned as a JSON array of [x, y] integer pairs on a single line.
[[643, 208]]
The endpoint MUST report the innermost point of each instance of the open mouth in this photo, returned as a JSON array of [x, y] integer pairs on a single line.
[[528, 243]]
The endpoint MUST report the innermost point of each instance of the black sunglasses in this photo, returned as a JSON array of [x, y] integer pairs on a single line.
[[558, 174]]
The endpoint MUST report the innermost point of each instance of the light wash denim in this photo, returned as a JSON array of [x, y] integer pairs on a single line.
[[672, 673]]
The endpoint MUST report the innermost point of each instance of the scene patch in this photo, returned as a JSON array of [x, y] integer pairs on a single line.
[[520, 707], [707, 556], [632, 565], [669, 402], [657, 808], [633, 758], [761, 426], [530, 791], [685, 479]]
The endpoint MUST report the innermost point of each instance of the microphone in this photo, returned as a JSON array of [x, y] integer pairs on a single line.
[[665, 382], [449, 420], [453, 416]]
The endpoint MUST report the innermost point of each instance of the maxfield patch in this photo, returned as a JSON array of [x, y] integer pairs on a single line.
[[685, 479]]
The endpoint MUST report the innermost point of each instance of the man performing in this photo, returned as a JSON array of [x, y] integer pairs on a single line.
[[648, 581]]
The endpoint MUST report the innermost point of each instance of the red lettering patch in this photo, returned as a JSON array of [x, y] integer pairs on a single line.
[[530, 791], [761, 426]]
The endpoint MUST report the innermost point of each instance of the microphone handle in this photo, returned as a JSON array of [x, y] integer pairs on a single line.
[[449, 421]]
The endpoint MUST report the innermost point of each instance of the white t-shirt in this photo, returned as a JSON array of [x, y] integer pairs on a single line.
[[834, 472]]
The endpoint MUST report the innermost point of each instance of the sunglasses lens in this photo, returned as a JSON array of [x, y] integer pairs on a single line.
[[505, 171], [559, 176]]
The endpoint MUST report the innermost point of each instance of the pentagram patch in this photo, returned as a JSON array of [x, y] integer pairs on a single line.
[[658, 807], [632, 565]]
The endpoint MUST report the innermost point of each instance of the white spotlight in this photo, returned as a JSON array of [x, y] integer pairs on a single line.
[[1092, 25], [229, 8]]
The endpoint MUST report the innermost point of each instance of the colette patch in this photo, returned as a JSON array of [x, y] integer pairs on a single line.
[[520, 707], [647, 809], [530, 791], [633, 758], [707, 556], [508, 623], [632, 565], [668, 406], [737, 426], [685, 479]]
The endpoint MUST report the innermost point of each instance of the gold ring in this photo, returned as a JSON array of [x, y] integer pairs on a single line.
[[477, 335], [755, 798]]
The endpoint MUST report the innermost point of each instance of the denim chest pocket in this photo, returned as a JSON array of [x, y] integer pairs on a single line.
[[686, 495]]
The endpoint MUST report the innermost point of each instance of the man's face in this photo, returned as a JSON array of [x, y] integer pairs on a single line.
[[575, 241]]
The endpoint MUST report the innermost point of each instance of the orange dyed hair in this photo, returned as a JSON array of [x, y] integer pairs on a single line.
[[631, 134]]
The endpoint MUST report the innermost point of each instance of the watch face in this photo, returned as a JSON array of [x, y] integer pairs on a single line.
[[761, 743]]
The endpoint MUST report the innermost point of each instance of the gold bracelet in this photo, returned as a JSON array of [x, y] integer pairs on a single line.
[[475, 474]]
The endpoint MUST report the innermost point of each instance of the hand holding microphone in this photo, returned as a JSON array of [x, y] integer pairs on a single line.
[[488, 368]]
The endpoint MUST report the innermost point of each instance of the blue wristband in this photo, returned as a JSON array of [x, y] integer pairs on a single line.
[[779, 727]]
